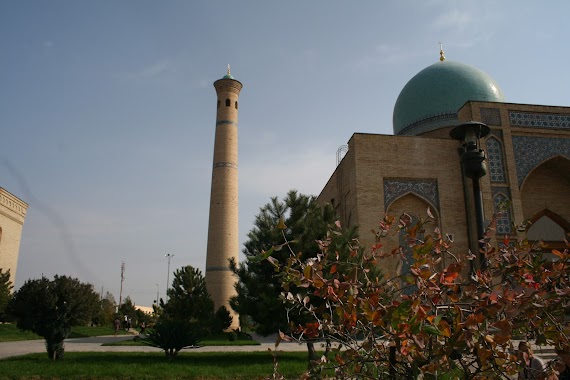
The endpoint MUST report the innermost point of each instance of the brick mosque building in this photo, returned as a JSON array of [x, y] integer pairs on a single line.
[[527, 149]]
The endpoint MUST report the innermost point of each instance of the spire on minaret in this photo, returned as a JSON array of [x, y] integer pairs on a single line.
[[229, 74], [441, 53]]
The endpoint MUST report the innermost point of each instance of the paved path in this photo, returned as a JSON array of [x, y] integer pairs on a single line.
[[95, 344]]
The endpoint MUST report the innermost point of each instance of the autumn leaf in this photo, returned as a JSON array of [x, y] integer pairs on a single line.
[[273, 261]]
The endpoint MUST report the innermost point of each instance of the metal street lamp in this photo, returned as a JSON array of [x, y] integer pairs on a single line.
[[474, 167], [169, 256]]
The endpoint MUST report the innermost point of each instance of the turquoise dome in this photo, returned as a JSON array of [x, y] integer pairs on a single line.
[[431, 99]]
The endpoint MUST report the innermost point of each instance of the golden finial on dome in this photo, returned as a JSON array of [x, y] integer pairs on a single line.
[[441, 52], [229, 73]]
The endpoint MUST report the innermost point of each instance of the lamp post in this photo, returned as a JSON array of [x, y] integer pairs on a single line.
[[474, 167], [156, 294], [169, 256]]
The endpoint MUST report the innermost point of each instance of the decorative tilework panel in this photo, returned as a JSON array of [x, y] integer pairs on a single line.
[[531, 151], [495, 160], [539, 120], [395, 188], [491, 116], [502, 208]]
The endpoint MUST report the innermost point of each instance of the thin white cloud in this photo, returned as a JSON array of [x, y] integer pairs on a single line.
[[152, 71], [48, 44]]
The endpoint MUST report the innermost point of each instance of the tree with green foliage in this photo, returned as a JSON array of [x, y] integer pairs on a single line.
[[107, 311], [222, 320], [187, 297], [51, 308], [5, 294], [187, 316], [437, 321], [300, 221]]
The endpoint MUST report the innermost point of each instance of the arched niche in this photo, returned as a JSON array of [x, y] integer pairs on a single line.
[[548, 227], [545, 192], [415, 206]]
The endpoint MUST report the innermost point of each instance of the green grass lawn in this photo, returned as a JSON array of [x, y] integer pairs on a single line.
[[131, 365], [213, 340], [10, 333], [87, 331]]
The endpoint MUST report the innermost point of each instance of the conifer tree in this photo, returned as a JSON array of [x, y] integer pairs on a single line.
[[5, 293], [298, 219]]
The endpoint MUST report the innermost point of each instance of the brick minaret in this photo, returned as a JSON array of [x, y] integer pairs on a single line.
[[223, 242]]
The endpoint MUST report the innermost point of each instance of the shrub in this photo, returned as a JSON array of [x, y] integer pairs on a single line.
[[435, 321], [173, 335]]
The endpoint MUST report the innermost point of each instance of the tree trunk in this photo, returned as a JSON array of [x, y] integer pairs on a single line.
[[55, 348], [314, 360], [327, 348], [171, 353], [392, 362], [312, 352]]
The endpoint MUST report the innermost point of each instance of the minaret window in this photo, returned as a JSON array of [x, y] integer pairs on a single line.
[[227, 102], [218, 104], [236, 105]]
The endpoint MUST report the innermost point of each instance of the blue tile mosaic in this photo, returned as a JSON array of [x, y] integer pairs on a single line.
[[531, 151], [425, 188], [539, 120], [495, 160]]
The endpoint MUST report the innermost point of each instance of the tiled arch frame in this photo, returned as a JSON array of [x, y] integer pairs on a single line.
[[530, 152], [424, 188], [552, 215]]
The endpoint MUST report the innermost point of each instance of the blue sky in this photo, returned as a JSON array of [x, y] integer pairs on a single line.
[[107, 109]]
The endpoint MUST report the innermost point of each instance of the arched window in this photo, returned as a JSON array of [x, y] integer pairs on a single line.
[[227, 102], [502, 206], [218, 103], [236, 105], [496, 162]]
